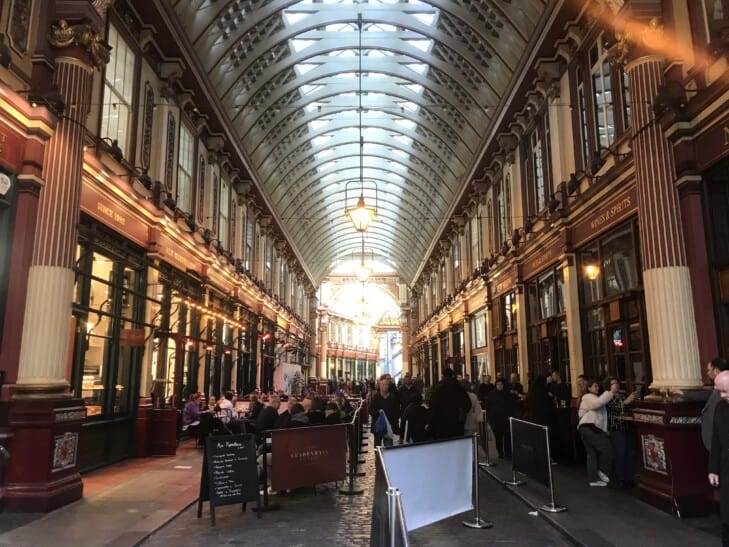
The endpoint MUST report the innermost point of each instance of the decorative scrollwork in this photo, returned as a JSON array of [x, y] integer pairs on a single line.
[[84, 36]]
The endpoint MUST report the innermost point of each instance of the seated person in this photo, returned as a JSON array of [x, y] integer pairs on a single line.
[[344, 405], [255, 408], [225, 407], [268, 417], [283, 420], [191, 414], [331, 414], [299, 418]]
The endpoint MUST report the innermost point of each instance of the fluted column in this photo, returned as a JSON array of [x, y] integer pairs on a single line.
[[45, 339], [668, 299], [322, 368]]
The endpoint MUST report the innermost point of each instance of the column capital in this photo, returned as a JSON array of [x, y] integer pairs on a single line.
[[83, 36], [637, 39]]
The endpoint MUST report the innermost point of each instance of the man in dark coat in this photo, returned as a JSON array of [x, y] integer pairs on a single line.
[[719, 455], [407, 392], [713, 367], [499, 408], [449, 404], [561, 436]]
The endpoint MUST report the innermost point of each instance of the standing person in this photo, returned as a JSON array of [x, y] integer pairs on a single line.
[[484, 388], [713, 368], [593, 430], [384, 400], [622, 436], [561, 437], [449, 404], [267, 417], [474, 417], [719, 455], [499, 408], [407, 392], [416, 417]]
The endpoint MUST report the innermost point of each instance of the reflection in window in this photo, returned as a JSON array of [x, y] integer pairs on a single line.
[[19, 22], [602, 94], [618, 264]]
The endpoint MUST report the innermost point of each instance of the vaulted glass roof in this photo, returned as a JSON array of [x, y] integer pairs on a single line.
[[431, 74]]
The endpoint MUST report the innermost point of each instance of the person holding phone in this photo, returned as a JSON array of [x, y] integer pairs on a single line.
[[622, 433]]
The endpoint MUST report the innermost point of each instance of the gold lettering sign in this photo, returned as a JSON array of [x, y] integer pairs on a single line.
[[110, 213], [541, 260], [726, 135], [610, 213]]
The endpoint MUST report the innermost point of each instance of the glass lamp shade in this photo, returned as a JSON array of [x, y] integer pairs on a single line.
[[361, 215], [363, 272], [592, 271]]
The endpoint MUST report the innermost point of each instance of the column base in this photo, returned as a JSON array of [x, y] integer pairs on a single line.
[[672, 461], [42, 472]]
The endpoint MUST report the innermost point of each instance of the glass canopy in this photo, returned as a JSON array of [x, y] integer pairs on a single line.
[[432, 76]]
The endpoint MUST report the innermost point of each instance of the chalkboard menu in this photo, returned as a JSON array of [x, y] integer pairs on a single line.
[[229, 473]]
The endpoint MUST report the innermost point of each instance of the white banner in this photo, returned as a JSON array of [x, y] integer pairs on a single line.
[[435, 479]]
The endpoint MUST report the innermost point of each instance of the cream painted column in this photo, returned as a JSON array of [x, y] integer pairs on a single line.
[[467, 348], [521, 335], [573, 320], [490, 341], [322, 367], [668, 296], [405, 344], [44, 353]]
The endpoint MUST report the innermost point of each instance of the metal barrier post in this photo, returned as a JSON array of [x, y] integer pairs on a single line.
[[514, 481], [485, 443], [391, 513], [477, 522], [266, 506], [353, 454], [551, 507]]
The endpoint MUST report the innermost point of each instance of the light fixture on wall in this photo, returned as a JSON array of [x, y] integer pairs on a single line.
[[592, 271], [360, 214]]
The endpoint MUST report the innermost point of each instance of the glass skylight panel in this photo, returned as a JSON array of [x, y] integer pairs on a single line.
[[300, 45], [382, 27], [307, 89], [403, 139], [395, 179], [332, 187], [303, 68], [328, 176], [422, 45], [347, 75], [318, 124], [408, 124], [291, 18], [342, 53], [396, 165], [415, 88], [327, 165], [323, 154], [400, 153], [425, 18], [380, 53], [340, 27], [321, 139], [418, 68]]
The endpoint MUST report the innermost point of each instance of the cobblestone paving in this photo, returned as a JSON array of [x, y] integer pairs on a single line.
[[330, 518]]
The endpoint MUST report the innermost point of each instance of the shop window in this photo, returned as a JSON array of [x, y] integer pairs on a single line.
[[547, 333], [118, 91], [618, 263], [109, 302]]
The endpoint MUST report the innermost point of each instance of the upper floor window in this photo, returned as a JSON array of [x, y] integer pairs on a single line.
[[603, 112], [717, 18], [118, 91], [185, 164], [456, 259], [250, 241], [223, 216], [201, 188], [18, 24], [475, 241], [500, 217]]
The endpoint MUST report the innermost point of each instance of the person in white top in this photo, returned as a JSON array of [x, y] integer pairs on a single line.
[[593, 430]]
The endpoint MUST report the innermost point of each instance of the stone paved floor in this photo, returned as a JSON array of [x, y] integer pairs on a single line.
[[330, 518]]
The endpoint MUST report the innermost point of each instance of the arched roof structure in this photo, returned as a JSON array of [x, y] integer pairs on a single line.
[[288, 74]]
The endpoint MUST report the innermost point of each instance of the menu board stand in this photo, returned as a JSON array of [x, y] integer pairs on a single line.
[[229, 473]]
